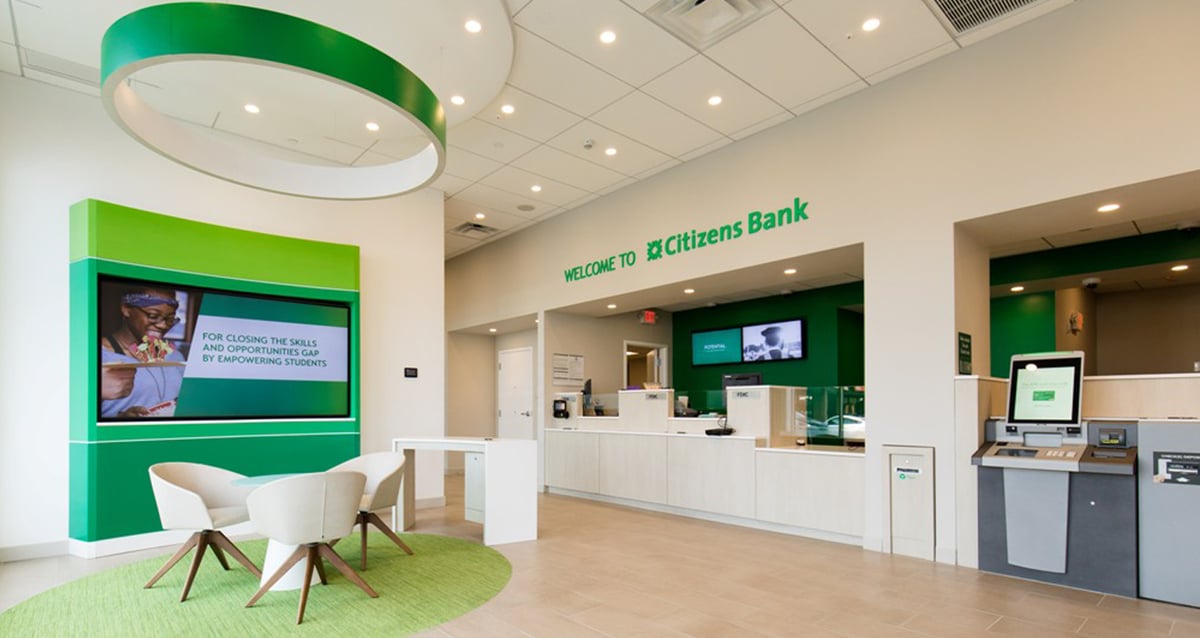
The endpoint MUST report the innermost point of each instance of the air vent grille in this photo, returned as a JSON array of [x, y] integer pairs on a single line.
[[703, 23], [965, 15], [474, 231]]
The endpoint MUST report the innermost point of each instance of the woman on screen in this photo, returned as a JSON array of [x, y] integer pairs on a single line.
[[140, 370]]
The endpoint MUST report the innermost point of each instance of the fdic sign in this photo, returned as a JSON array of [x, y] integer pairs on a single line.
[[695, 239]]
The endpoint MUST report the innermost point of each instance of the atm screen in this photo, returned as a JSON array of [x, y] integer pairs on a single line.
[[1045, 389]]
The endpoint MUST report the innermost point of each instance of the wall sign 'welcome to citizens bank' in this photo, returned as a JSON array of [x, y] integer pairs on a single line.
[[694, 239]]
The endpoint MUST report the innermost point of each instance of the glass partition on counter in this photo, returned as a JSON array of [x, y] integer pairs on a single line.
[[601, 404], [702, 402], [831, 415]]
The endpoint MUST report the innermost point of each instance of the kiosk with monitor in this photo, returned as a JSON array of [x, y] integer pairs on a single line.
[[1057, 495]]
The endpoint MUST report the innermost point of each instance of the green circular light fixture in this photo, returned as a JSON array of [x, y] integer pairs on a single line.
[[205, 31]]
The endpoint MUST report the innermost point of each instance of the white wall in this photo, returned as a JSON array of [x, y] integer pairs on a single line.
[[60, 147], [1084, 99], [471, 389]]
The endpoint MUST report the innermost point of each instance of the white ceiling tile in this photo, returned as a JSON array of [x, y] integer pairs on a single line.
[[544, 70], [514, 6], [1019, 248], [907, 29], [912, 63], [399, 149], [566, 168], [518, 181], [688, 86], [6, 27], [631, 158], [450, 184], [641, 5], [642, 50], [590, 197], [533, 117], [1168, 222], [489, 140], [9, 62], [467, 165], [456, 244], [832, 96], [763, 125], [706, 149], [371, 158], [459, 211], [802, 70], [618, 186], [500, 200], [672, 163], [653, 123], [1089, 235]]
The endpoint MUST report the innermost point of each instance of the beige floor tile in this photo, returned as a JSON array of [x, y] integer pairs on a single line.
[[853, 625], [701, 625], [1014, 627], [951, 621]]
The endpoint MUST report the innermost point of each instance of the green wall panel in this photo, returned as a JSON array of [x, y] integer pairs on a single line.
[[122, 503], [1126, 252], [851, 348], [820, 368], [1021, 324]]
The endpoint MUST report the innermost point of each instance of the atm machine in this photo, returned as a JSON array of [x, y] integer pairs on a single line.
[[1057, 495]]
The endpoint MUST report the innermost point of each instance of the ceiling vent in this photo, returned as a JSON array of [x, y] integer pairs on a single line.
[[471, 230], [703, 23], [966, 15]]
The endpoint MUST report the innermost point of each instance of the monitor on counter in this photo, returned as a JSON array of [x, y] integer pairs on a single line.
[[745, 378], [1046, 389]]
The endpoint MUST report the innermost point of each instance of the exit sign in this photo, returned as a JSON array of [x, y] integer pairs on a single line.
[[648, 317]]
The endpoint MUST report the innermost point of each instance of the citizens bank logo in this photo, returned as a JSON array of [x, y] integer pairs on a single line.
[[753, 223]]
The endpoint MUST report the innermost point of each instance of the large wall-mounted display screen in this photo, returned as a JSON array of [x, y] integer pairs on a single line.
[[711, 347], [778, 341], [180, 352]]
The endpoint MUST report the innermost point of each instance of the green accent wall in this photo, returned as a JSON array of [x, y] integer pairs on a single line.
[[834, 341], [1126, 252], [1021, 324], [109, 486]]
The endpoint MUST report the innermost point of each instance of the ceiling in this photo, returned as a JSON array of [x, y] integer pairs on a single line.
[[1122, 280], [645, 94]]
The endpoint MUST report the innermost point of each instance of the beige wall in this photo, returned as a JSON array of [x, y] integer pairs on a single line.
[[1149, 331], [1083, 301], [1008, 123], [602, 343], [470, 389]]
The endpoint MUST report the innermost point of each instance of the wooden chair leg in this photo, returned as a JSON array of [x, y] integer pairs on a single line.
[[321, 570], [312, 558], [201, 545], [362, 522], [374, 519], [180, 553], [291, 561], [220, 539], [347, 571], [216, 549]]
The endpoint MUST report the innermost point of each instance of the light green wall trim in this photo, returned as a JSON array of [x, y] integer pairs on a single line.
[[109, 433], [119, 233]]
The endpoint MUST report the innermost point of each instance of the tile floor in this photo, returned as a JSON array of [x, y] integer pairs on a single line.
[[602, 570]]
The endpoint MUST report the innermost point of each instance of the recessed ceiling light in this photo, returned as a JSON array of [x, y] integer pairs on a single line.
[[689, 291], [610, 151], [473, 26], [536, 188], [372, 126], [251, 108], [480, 216], [1017, 289], [1108, 208], [789, 271], [630, 353], [608, 37], [491, 329], [612, 306], [714, 100], [870, 24], [1179, 268], [457, 100], [507, 109]]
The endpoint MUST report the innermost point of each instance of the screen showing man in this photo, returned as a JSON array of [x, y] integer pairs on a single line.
[[773, 342], [141, 363]]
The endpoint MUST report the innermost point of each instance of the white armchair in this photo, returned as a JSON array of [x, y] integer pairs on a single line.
[[308, 511], [202, 498], [384, 472]]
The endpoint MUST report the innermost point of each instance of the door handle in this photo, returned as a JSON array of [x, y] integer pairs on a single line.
[[526, 414]]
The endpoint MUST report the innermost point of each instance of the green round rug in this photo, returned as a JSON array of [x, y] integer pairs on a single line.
[[445, 578]]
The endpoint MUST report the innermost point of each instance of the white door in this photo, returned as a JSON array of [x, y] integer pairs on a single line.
[[514, 396]]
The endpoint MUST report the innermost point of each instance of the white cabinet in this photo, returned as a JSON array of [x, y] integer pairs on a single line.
[[572, 460], [711, 474], [473, 488], [634, 466], [813, 490]]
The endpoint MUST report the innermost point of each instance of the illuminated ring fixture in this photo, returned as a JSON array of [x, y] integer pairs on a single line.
[[189, 31]]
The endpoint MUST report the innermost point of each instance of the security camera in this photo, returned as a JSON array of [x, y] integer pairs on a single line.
[[1091, 283], [588, 144]]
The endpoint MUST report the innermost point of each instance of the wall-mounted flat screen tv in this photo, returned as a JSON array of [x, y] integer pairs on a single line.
[[170, 352], [775, 341], [712, 347]]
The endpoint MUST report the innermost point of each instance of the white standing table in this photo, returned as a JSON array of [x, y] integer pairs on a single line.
[[504, 470]]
